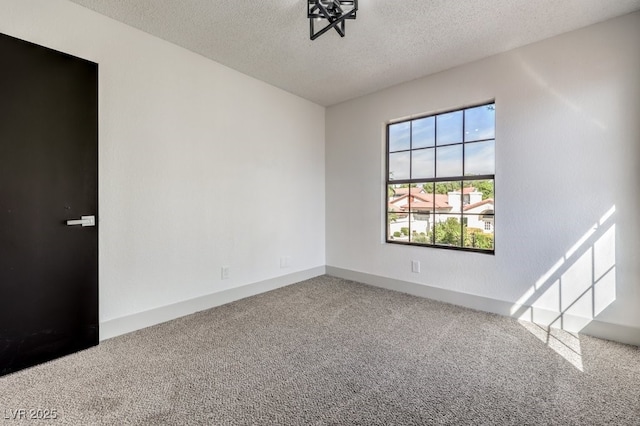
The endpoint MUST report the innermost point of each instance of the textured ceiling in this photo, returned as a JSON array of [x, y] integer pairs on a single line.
[[390, 42]]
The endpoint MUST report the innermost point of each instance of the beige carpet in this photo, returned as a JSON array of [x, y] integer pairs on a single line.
[[331, 351]]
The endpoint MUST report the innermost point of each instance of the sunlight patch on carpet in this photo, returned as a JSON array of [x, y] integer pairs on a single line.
[[564, 343]]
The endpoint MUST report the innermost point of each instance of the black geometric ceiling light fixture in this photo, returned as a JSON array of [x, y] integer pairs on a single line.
[[332, 12]]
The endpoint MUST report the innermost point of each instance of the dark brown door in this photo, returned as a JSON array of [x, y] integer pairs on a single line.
[[48, 176]]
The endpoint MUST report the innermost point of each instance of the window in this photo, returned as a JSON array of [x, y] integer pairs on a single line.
[[441, 178]]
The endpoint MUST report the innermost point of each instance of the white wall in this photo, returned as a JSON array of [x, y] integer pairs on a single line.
[[197, 160], [200, 166], [567, 153]]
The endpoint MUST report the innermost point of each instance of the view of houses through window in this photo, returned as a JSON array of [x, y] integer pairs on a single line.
[[440, 180]]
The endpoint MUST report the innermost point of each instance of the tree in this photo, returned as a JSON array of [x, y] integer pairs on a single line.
[[420, 238], [477, 239], [447, 232], [484, 186], [446, 187]]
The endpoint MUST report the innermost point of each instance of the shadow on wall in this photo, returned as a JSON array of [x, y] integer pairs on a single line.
[[573, 292]]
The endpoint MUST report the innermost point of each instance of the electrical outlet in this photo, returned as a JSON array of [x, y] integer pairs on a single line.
[[285, 262], [415, 266], [224, 272]]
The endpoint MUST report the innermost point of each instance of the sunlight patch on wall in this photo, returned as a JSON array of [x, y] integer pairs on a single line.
[[605, 271], [565, 100], [573, 292]]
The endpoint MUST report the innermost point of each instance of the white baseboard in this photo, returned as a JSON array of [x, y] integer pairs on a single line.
[[591, 327], [137, 321]]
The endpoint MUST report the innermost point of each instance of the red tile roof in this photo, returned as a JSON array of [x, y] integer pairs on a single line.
[[421, 202], [478, 204]]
